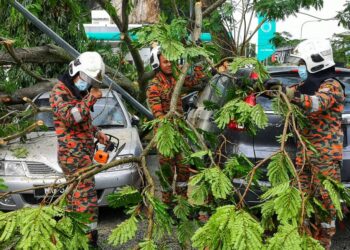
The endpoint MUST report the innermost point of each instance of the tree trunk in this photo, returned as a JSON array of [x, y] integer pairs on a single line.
[[42, 55], [144, 11], [29, 92]]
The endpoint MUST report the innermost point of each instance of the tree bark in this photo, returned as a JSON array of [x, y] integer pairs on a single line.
[[29, 92], [144, 11], [40, 55]]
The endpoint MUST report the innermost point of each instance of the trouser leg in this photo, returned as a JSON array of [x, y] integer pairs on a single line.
[[326, 224], [170, 167], [83, 198]]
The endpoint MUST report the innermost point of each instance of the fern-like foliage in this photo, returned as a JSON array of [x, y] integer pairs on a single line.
[[285, 202], [241, 62], [218, 182], [334, 195], [182, 209], [198, 193], [238, 166], [147, 245], [279, 169], [46, 227], [126, 196], [252, 117], [124, 232], [167, 139], [71, 231], [287, 238], [309, 243], [185, 230], [8, 225], [163, 222], [229, 229], [171, 36]]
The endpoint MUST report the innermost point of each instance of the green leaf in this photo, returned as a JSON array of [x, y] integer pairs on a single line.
[[221, 186], [229, 229], [259, 117], [198, 194], [279, 169], [126, 196], [186, 230], [147, 245], [288, 205], [199, 154], [287, 237], [334, 195], [19, 152], [124, 232], [182, 209], [3, 187], [167, 136], [309, 243]]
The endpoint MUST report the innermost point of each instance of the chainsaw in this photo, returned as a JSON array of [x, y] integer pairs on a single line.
[[103, 155]]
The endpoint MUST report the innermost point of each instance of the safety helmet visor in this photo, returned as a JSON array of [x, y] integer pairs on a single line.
[[95, 82]]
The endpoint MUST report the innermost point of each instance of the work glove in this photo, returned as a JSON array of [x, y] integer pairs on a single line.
[[290, 92], [272, 84]]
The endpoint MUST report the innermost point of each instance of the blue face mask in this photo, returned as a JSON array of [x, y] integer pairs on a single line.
[[82, 85], [302, 72]]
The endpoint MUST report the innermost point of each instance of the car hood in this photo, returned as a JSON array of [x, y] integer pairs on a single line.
[[42, 147]]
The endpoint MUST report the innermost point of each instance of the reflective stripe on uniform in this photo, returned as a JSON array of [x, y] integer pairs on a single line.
[[326, 225], [181, 184], [76, 115], [315, 103], [92, 226]]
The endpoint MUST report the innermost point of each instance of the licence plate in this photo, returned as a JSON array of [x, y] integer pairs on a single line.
[[48, 192]]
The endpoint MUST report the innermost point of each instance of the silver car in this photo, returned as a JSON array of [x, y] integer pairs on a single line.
[[39, 166]]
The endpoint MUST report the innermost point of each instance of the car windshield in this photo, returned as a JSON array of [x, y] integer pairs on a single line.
[[107, 113]]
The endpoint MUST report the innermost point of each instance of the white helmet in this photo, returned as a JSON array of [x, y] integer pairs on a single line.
[[90, 67], [317, 54], [154, 59]]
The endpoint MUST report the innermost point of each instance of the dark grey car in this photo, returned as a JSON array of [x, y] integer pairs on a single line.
[[264, 143]]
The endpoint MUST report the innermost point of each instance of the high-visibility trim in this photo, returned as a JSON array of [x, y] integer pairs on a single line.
[[315, 100], [76, 115]]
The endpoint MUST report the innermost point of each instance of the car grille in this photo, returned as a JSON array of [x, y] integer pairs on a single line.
[[38, 168], [32, 200]]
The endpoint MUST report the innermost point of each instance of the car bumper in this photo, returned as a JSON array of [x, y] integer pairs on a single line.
[[106, 183]]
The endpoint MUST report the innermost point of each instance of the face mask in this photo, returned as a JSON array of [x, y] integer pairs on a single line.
[[82, 85], [302, 72]]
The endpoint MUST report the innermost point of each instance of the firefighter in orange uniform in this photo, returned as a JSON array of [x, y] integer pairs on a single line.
[[72, 99], [159, 93], [321, 96]]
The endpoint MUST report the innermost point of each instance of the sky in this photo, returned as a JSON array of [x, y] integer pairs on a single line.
[[314, 30]]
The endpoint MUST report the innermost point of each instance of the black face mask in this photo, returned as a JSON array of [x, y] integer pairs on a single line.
[[314, 81]]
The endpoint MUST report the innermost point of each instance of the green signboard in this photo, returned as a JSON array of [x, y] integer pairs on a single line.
[[265, 33]]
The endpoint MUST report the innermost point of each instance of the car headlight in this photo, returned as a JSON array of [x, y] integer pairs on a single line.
[[12, 168]]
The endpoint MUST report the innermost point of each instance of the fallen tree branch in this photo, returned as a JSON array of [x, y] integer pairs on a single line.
[[9, 47], [46, 54], [4, 140]]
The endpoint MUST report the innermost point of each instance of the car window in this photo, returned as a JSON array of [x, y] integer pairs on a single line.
[[107, 112]]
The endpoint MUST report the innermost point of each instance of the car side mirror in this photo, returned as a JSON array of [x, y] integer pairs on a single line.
[[135, 120]]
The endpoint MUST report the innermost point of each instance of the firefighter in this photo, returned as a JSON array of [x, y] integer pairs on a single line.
[[72, 100], [321, 96], [159, 93]]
